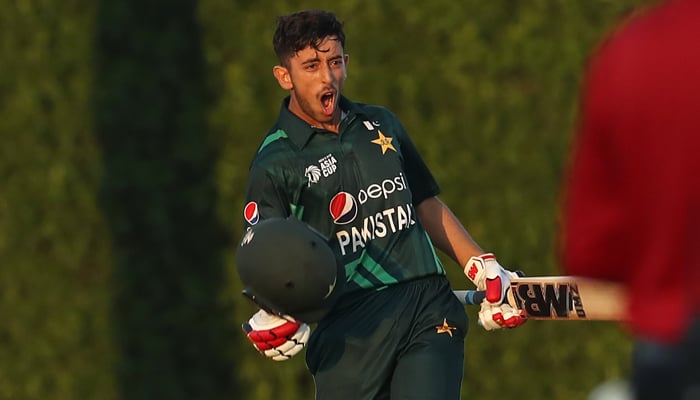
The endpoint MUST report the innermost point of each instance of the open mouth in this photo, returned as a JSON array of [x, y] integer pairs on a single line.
[[328, 103]]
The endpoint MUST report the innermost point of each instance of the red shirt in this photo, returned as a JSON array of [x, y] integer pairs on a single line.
[[632, 194]]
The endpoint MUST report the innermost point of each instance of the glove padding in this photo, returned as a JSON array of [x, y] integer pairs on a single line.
[[488, 275], [500, 316], [276, 337]]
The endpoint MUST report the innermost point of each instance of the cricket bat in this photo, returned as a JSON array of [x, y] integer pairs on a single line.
[[560, 298]]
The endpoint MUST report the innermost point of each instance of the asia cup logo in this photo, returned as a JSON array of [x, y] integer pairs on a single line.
[[250, 213], [247, 237], [313, 174], [343, 208]]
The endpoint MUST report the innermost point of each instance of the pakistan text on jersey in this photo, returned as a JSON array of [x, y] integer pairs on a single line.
[[375, 226]]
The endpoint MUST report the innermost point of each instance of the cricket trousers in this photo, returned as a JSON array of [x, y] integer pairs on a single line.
[[668, 371], [404, 342]]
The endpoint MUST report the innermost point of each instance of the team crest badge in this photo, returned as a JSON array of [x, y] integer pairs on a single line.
[[384, 142], [445, 328]]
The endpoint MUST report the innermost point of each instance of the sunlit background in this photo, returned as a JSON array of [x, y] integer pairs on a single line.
[[127, 128]]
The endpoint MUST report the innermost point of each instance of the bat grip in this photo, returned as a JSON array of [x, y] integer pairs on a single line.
[[475, 297], [470, 297]]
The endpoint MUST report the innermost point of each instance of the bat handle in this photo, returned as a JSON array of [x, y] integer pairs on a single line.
[[470, 297], [475, 297]]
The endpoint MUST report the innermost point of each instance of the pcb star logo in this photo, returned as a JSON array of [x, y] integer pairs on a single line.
[[384, 142], [445, 328]]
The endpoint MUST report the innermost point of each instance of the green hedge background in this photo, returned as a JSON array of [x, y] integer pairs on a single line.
[[127, 128]]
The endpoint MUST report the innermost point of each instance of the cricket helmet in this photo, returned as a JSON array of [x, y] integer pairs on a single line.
[[288, 268]]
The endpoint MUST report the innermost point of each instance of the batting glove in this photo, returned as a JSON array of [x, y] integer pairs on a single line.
[[276, 337], [487, 274]]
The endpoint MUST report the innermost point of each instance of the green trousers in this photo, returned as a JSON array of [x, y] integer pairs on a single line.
[[403, 342]]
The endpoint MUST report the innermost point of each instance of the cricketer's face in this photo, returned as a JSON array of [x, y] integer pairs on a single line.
[[315, 78]]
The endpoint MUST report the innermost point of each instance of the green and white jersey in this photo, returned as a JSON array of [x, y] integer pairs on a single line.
[[358, 188]]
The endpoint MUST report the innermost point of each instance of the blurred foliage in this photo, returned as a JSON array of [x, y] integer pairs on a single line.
[[172, 326], [488, 91], [55, 335]]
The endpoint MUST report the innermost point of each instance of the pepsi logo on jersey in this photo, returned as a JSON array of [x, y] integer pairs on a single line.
[[250, 213], [343, 208]]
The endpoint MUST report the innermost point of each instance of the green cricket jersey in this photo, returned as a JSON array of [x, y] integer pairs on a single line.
[[358, 188]]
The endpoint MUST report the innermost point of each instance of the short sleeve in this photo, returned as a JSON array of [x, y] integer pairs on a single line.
[[421, 181], [263, 198]]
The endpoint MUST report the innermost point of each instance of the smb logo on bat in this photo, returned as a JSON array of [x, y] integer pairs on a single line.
[[550, 300]]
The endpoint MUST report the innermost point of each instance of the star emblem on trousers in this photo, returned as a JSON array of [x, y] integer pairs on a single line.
[[445, 328], [384, 142]]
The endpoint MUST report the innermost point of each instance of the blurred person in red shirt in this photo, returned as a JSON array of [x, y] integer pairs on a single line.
[[631, 210]]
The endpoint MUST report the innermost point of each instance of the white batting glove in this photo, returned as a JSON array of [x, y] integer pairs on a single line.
[[487, 274], [276, 337]]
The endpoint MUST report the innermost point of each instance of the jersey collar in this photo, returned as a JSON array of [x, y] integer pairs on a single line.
[[298, 130]]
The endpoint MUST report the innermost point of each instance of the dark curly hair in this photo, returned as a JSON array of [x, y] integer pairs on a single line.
[[304, 28]]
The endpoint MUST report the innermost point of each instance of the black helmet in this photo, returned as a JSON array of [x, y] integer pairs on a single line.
[[288, 268]]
